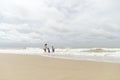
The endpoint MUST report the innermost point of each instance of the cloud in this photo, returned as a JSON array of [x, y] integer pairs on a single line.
[[65, 23]]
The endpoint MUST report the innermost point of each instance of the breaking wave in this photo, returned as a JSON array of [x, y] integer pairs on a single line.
[[94, 54]]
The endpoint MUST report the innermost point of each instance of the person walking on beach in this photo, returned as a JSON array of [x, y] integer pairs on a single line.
[[45, 47], [48, 50], [53, 49]]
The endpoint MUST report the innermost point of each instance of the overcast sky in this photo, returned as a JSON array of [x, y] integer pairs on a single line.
[[63, 23]]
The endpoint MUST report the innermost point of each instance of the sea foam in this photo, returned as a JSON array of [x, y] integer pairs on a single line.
[[92, 54]]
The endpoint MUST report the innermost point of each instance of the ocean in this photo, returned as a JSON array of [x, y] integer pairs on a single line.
[[90, 54]]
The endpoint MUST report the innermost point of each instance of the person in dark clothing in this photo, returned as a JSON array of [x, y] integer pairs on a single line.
[[53, 49], [45, 47], [48, 50]]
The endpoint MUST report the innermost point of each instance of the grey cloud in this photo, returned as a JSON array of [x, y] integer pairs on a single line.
[[65, 23]]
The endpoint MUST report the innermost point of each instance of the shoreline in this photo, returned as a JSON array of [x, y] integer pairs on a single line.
[[49, 55]]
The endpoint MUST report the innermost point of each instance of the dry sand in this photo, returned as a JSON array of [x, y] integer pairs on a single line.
[[24, 67]]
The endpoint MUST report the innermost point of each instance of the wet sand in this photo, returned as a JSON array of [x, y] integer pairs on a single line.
[[30, 67]]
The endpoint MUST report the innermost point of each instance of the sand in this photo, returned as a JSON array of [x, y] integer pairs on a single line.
[[30, 67]]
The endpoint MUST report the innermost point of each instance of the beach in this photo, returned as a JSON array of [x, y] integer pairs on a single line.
[[36, 67]]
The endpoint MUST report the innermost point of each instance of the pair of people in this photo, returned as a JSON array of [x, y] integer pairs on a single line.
[[47, 49]]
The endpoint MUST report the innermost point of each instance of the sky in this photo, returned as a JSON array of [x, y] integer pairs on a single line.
[[62, 23]]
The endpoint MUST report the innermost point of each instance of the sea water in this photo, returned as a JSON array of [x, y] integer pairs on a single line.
[[91, 54]]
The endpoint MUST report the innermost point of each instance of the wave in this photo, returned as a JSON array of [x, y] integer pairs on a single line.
[[99, 50], [96, 54]]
